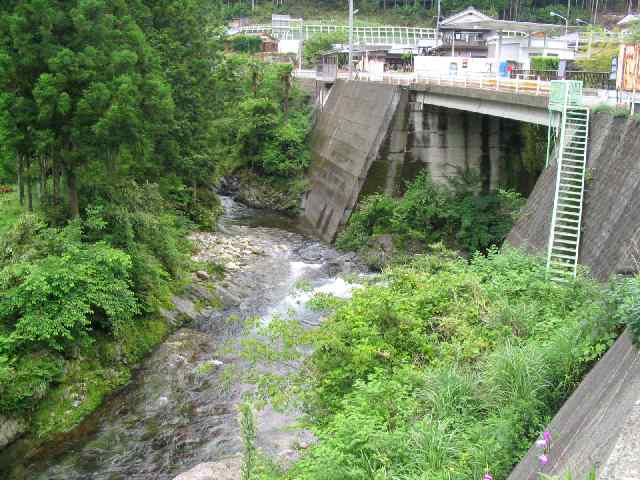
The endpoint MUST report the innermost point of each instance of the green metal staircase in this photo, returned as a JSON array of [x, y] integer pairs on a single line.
[[564, 237]]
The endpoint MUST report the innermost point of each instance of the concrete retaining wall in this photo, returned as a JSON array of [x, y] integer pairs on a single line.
[[347, 138], [599, 426]]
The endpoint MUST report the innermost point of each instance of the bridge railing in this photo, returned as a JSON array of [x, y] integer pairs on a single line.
[[482, 81], [599, 80], [392, 34]]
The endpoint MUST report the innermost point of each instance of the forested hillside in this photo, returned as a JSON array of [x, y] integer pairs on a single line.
[[423, 12], [116, 120]]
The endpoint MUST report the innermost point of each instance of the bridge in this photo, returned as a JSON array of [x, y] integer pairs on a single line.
[[521, 99], [406, 123]]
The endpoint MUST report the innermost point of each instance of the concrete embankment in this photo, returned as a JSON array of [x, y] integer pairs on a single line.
[[611, 215], [346, 139], [599, 426]]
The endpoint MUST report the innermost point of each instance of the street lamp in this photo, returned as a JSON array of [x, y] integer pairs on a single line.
[[566, 22]]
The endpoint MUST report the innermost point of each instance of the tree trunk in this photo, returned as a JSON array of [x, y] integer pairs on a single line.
[[56, 182], [72, 191], [21, 179], [287, 86], [29, 185]]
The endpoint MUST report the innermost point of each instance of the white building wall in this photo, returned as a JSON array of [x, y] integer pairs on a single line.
[[289, 46], [431, 65]]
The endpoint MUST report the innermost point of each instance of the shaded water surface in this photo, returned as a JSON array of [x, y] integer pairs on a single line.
[[180, 410]]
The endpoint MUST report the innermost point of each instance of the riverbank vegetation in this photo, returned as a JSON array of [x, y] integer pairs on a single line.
[[443, 368], [117, 119], [460, 215]]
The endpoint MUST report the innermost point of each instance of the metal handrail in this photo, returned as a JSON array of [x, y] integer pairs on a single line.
[[482, 81]]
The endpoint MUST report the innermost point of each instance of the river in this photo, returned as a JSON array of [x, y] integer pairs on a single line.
[[180, 409]]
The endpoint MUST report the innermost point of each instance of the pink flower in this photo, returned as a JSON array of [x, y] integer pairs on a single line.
[[547, 437], [541, 443], [487, 476], [543, 459]]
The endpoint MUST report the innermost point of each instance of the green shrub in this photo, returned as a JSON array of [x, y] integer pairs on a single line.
[[544, 63], [245, 43], [136, 219], [429, 213], [443, 369], [614, 111], [319, 43], [54, 298], [25, 380]]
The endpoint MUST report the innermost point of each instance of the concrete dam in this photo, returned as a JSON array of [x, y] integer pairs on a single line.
[[373, 137]]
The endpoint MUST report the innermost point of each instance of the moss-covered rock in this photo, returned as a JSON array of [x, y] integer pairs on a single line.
[[271, 193]]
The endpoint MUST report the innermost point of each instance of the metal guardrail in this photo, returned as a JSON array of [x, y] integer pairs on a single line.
[[369, 35], [599, 80], [475, 81], [391, 34]]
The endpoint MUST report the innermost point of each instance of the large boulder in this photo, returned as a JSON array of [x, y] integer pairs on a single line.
[[10, 430], [227, 469]]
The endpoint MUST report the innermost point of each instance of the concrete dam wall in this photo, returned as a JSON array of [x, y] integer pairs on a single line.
[[374, 138], [599, 426]]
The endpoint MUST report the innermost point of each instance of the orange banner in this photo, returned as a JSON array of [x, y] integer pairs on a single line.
[[628, 77]]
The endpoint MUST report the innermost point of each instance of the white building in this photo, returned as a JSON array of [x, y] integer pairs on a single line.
[[472, 42]]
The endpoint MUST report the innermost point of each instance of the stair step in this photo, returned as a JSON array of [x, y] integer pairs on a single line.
[[571, 237], [575, 194], [560, 255], [567, 221], [573, 186], [573, 202], [567, 251], [561, 264], [572, 176], [564, 242]]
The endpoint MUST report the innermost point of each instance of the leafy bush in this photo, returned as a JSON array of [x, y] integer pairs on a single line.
[[614, 111], [57, 291], [430, 213], [24, 380], [56, 299], [442, 370], [136, 219], [544, 63], [245, 43], [319, 43]]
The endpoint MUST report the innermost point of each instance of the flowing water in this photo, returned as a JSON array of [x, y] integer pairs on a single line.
[[179, 410]]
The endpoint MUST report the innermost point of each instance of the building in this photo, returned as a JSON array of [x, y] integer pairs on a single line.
[[471, 42]]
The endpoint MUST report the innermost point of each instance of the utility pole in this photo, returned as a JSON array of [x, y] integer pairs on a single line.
[[438, 26], [350, 39]]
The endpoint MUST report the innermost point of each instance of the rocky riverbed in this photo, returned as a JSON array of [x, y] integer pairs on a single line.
[[178, 418]]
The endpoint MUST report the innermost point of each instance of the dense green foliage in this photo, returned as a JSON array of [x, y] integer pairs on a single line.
[[461, 216], [542, 64], [245, 43], [117, 118], [421, 12], [319, 43], [264, 122], [443, 369]]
